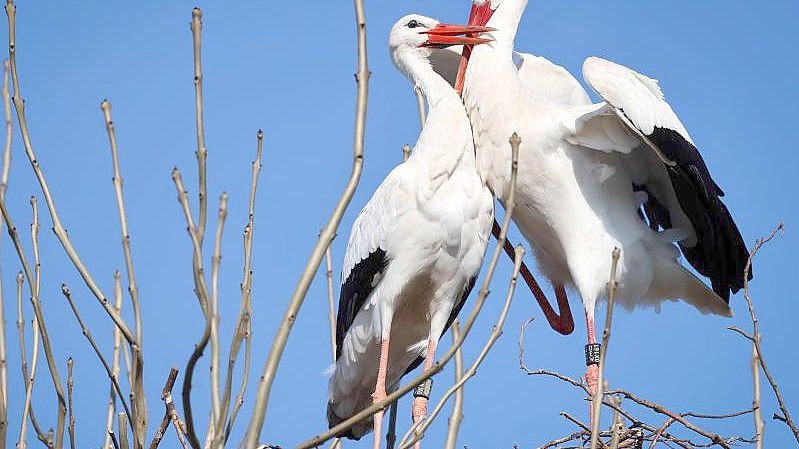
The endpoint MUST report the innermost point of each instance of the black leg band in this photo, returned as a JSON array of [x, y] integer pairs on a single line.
[[424, 389], [592, 353]]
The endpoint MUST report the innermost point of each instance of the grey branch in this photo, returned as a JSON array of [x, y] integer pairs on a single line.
[[325, 237]]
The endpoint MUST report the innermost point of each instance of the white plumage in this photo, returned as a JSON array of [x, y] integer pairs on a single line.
[[622, 173], [415, 247]]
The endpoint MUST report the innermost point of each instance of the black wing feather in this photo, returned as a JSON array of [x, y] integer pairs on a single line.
[[355, 290], [720, 252]]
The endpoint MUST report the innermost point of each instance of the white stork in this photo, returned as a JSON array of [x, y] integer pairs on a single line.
[[620, 173], [417, 246]]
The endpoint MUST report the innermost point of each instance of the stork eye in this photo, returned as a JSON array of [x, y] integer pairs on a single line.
[[414, 24]]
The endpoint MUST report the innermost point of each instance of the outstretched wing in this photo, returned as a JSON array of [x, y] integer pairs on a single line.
[[665, 163]]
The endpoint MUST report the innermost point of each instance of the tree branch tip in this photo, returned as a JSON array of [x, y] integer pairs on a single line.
[[196, 12], [260, 134]]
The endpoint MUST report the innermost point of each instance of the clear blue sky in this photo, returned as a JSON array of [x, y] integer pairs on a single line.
[[728, 69]]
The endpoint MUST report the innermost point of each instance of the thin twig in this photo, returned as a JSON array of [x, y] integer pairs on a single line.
[[243, 329], [24, 364], [472, 317], [757, 416], [111, 411], [21, 443], [3, 187], [201, 291], [331, 307], [58, 227], [86, 333], [214, 436], [202, 151], [138, 398], [169, 412], [596, 403], [71, 404], [496, 331], [456, 416], [325, 238], [660, 431], [756, 332]]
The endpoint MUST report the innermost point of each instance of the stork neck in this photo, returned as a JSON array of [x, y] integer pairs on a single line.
[[506, 20], [433, 86]]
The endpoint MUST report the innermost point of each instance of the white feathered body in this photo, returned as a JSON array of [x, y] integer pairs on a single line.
[[432, 216], [575, 201]]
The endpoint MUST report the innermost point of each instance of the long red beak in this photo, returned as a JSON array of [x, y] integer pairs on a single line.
[[478, 17], [445, 34]]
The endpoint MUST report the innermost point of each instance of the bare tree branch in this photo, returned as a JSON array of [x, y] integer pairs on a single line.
[[21, 443], [596, 403], [367, 412], [456, 416], [37, 308], [213, 437], [71, 404], [109, 422], [243, 329], [3, 187], [23, 362], [201, 291], [202, 151], [424, 424], [138, 400], [325, 237], [58, 227], [170, 414], [756, 333], [86, 333]]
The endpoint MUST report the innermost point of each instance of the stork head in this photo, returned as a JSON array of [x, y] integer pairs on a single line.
[[422, 34]]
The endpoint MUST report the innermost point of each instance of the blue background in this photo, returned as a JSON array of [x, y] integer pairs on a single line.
[[728, 69]]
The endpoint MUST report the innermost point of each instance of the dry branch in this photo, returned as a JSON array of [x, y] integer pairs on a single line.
[[421, 427], [243, 329], [456, 416], [202, 151], [598, 395], [111, 411], [37, 310], [755, 336], [86, 333], [71, 404], [138, 399], [214, 434], [170, 414], [325, 237], [3, 187], [58, 227], [29, 380], [201, 292], [472, 317]]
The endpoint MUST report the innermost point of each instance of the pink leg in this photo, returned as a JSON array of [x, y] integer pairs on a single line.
[[380, 391], [591, 357], [419, 409]]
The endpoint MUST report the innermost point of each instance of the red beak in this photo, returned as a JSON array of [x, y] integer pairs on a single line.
[[478, 17], [445, 34]]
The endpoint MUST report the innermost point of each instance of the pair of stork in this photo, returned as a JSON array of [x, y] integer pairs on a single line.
[[592, 177]]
